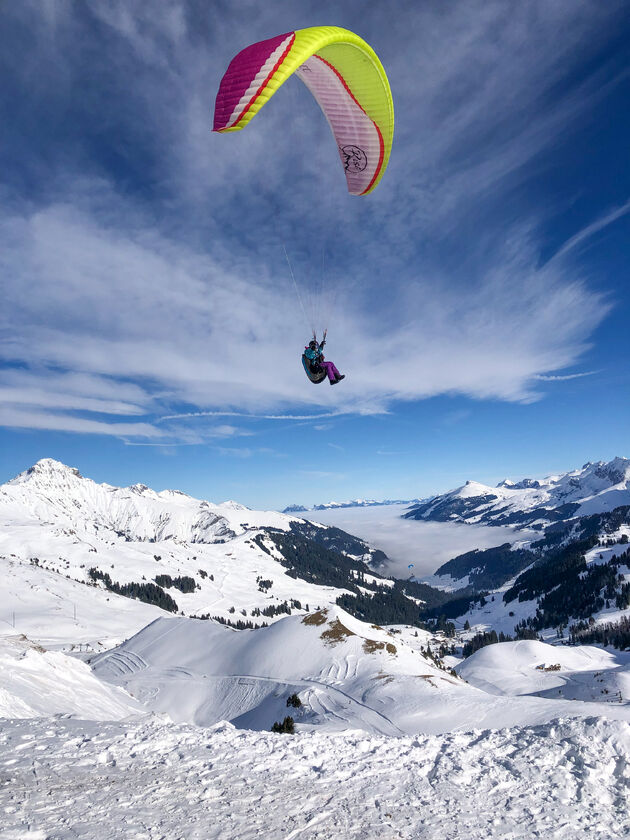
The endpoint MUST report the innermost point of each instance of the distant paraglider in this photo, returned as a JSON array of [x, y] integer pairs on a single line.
[[344, 75]]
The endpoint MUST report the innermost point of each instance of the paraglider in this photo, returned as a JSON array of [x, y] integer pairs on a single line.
[[315, 365], [344, 75], [410, 566]]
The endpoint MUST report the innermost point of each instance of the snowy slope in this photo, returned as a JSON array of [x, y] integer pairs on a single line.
[[496, 614], [567, 780], [35, 682], [342, 668], [531, 667], [595, 488], [348, 674], [63, 614]]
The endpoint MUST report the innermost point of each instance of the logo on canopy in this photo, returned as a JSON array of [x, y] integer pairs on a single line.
[[354, 158]]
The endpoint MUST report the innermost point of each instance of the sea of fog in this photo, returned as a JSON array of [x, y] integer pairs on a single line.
[[425, 544]]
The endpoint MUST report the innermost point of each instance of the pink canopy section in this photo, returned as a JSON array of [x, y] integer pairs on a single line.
[[358, 138], [246, 77]]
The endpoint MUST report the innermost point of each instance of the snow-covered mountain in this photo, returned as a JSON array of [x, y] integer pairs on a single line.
[[60, 531], [56, 526], [594, 488], [352, 504], [532, 668], [342, 669], [52, 493]]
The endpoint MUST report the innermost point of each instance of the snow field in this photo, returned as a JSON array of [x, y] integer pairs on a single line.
[[64, 779]]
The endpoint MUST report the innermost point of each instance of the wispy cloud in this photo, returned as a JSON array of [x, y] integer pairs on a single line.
[[452, 418], [24, 419], [246, 452], [590, 230], [566, 377], [197, 338], [187, 415]]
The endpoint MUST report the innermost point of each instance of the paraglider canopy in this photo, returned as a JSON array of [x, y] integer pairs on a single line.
[[344, 75]]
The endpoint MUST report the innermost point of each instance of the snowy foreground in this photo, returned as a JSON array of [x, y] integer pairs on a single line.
[[68, 778], [119, 720]]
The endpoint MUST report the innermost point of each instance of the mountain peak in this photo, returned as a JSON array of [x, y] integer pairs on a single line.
[[615, 471], [230, 504], [48, 468], [472, 488]]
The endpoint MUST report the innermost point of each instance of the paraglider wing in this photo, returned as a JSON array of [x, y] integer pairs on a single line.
[[344, 75]]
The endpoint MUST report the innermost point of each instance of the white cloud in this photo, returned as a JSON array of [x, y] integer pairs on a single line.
[[24, 419], [187, 415], [126, 304], [246, 452]]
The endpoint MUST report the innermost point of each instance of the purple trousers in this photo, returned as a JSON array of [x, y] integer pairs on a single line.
[[331, 370]]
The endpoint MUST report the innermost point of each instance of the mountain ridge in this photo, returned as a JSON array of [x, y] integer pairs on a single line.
[[596, 487], [352, 503]]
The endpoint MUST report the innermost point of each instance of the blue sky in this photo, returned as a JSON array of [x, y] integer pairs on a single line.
[[478, 300]]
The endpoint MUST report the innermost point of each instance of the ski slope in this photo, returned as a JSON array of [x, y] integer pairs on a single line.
[[63, 614]]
